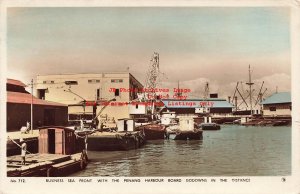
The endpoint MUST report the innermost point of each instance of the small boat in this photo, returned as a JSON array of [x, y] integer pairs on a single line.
[[210, 126], [196, 134], [186, 130], [153, 131]]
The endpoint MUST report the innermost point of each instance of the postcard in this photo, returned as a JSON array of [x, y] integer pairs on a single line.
[[150, 97]]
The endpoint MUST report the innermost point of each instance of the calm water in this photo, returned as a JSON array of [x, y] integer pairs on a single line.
[[232, 151]]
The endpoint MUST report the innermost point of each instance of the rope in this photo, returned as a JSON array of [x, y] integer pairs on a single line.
[[18, 144]]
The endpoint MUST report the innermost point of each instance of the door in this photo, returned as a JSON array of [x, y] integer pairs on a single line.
[[51, 141]]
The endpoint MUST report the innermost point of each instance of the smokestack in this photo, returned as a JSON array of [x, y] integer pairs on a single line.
[[229, 98]]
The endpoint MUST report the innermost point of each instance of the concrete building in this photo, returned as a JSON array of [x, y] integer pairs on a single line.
[[278, 104], [214, 106], [45, 113], [87, 94]]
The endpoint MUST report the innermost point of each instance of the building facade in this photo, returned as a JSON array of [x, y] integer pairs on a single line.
[[213, 106], [278, 104], [45, 113], [88, 94]]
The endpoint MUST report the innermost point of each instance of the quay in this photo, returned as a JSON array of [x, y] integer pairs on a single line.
[[45, 165], [60, 152]]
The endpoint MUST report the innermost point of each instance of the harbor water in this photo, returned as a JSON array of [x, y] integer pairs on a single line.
[[232, 151]]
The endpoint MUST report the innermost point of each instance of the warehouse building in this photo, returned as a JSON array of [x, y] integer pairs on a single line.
[[278, 104], [45, 113], [87, 95], [216, 107]]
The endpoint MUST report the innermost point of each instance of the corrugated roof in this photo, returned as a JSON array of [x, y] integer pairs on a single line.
[[24, 98], [277, 98], [15, 82], [171, 103]]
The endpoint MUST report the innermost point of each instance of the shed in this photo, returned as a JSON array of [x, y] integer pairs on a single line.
[[56, 140]]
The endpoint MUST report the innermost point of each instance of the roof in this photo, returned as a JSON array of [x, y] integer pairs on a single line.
[[277, 98], [24, 98], [197, 103], [15, 82]]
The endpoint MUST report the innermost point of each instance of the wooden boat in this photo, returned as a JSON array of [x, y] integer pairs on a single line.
[[153, 131], [115, 141], [189, 135], [210, 126], [187, 129]]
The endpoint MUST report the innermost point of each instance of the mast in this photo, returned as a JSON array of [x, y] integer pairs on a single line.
[[31, 108], [250, 83]]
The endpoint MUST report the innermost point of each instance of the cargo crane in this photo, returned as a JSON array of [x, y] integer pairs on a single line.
[[95, 103], [151, 82]]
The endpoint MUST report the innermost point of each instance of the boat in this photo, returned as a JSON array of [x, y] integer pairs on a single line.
[[185, 130], [153, 131], [122, 138], [210, 126]]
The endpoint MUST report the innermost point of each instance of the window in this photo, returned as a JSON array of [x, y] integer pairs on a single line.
[[136, 106], [48, 82], [93, 81], [290, 107], [98, 94], [71, 82], [117, 92], [272, 108], [41, 93], [117, 81]]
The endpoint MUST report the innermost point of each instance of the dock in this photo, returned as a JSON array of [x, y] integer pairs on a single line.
[[45, 165]]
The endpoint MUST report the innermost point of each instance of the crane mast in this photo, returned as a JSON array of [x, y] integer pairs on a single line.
[[152, 81]]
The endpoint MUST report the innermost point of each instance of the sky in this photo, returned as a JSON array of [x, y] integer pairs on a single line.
[[196, 44]]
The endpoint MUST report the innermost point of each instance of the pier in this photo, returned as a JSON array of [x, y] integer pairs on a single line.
[[45, 165]]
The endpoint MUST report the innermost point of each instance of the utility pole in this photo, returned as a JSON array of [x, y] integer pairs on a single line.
[[31, 108]]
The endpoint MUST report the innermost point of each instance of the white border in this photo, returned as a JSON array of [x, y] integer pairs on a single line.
[[257, 184]]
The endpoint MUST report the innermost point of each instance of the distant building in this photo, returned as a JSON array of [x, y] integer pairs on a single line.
[[214, 106], [278, 104], [87, 94], [45, 113]]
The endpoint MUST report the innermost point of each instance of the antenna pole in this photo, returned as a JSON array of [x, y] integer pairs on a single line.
[[250, 83], [31, 108]]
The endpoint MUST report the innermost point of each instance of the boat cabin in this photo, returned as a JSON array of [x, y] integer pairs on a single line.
[[126, 125], [56, 140]]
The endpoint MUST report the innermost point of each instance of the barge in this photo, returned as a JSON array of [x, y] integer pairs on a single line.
[[122, 138]]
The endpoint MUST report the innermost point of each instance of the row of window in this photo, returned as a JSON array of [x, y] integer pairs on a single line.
[[273, 108], [90, 81]]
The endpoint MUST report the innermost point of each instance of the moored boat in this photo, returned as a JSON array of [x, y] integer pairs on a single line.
[[187, 130], [210, 126], [153, 131]]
